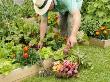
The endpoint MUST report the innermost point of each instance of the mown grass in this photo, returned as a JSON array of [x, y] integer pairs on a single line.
[[100, 58]]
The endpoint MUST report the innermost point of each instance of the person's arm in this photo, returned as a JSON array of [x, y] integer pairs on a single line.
[[43, 27], [76, 22], [74, 8]]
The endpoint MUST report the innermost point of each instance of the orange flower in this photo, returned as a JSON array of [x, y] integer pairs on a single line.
[[103, 28], [25, 49], [97, 33]]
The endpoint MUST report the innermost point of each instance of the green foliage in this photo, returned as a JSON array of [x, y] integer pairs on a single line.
[[53, 19], [20, 31], [76, 55], [8, 49], [27, 9], [83, 60], [7, 10], [95, 13], [54, 40], [6, 66], [33, 57], [13, 27], [59, 55], [89, 25], [10, 10], [82, 37], [45, 53]]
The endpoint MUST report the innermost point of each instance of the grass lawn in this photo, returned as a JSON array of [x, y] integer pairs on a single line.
[[100, 59]]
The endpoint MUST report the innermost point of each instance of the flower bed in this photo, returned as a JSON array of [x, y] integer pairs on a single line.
[[19, 74], [101, 37]]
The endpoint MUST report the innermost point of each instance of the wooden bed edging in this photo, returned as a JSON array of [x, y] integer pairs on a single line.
[[19, 74], [100, 43]]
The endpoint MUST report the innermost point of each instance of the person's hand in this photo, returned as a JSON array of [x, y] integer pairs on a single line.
[[71, 41], [40, 44]]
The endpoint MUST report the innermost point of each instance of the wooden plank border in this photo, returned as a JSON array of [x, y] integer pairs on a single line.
[[100, 43], [19, 74]]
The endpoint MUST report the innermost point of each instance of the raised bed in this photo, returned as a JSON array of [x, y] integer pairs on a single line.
[[100, 43], [19, 74]]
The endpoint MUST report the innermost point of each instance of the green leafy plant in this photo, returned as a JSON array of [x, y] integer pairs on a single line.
[[8, 50], [75, 55], [20, 31], [82, 37], [27, 56], [95, 13], [89, 25], [6, 66], [27, 9], [13, 26], [45, 53], [53, 19], [82, 59], [54, 40], [59, 55]]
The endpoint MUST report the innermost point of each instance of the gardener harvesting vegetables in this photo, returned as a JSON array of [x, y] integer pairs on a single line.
[[66, 8]]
